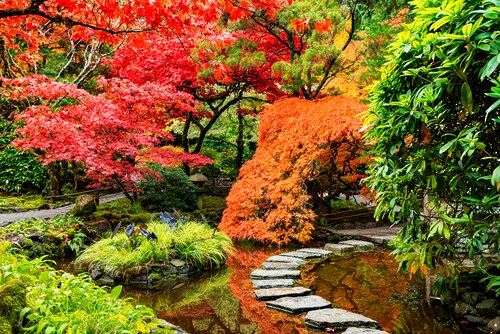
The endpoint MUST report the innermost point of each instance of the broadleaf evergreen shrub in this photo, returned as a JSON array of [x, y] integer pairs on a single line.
[[171, 191]]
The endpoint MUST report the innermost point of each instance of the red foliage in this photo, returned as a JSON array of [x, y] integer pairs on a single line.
[[272, 199], [112, 134]]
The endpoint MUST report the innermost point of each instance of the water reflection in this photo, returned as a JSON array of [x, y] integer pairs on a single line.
[[366, 283]]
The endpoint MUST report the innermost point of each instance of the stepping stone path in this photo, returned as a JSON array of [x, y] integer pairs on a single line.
[[275, 284], [274, 274], [296, 305], [338, 319], [275, 293]]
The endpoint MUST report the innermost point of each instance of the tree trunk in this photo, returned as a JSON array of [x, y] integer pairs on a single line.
[[240, 143], [185, 133], [125, 192], [55, 178]]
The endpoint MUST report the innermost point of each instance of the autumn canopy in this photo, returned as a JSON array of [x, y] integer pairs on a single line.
[[272, 199]]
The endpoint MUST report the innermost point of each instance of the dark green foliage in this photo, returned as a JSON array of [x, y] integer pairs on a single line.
[[436, 121], [19, 171], [61, 236], [171, 191]]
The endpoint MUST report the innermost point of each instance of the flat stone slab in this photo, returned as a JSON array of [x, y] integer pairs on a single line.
[[275, 293], [339, 249], [301, 255], [280, 258], [358, 244], [295, 305], [322, 252], [338, 319], [281, 265], [273, 283], [274, 274], [357, 330]]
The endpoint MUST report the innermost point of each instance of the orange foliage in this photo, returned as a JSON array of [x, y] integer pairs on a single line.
[[272, 199]]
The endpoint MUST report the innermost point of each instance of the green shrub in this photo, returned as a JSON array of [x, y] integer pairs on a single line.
[[63, 234], [172, 191], [63, 303], [196, 244]]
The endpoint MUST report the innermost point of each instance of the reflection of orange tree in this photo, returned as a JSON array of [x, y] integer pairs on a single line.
[[270, 322], [306, 149], [360, 283]]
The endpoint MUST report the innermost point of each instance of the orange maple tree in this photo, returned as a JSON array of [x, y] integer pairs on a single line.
[[306, 149]]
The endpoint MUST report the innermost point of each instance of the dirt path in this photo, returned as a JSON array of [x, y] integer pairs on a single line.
[[7, 218]]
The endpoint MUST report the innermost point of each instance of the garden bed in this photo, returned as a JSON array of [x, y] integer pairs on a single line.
[[159, 254]]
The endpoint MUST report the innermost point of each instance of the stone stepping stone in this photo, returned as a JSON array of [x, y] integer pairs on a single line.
[[301, 255], [274, 274], [273, 283], [358, 244], [356, 330], [322, 252], [281, 265], [339, 249], [338, 319], [280, 258], [275, 293], [295, 305]]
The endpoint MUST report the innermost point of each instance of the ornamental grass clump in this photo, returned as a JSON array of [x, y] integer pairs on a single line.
[[197, 244]]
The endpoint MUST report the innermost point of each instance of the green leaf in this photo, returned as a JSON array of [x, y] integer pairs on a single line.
[[466, 96], [117, 290], [489, 68], [495, 178], [446, 146]]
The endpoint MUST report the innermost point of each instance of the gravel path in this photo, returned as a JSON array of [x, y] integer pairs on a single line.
[[7, 218]]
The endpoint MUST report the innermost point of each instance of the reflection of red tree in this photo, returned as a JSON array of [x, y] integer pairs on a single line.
[[269, 321]]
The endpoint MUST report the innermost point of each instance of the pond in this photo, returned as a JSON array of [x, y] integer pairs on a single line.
[[367, 283]]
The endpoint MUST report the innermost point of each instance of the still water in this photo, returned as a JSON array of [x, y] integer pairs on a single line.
[[366, 283]]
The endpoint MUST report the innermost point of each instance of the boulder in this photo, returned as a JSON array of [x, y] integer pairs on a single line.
[[85, 205]]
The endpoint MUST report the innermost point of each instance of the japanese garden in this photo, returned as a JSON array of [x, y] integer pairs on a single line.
[[250, 166]]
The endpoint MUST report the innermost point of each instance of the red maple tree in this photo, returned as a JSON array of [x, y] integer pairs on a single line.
[[114, 134]]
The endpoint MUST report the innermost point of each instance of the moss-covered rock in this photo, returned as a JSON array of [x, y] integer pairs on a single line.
[[5, 326], [85, 206], [12, 301]]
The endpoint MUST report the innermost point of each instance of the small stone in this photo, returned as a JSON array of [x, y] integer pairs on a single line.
[[360, 226], [338, 249], [358, 244], [371, 225], [301, 255], [338, 319], [494, 325], [281, 265], [105, 280], [357, 330], [477, 320], [279, 258], [295, 305], [275, 293], [177, 263], [273, 274], [319, 251], [462, 309], [273, 283]]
